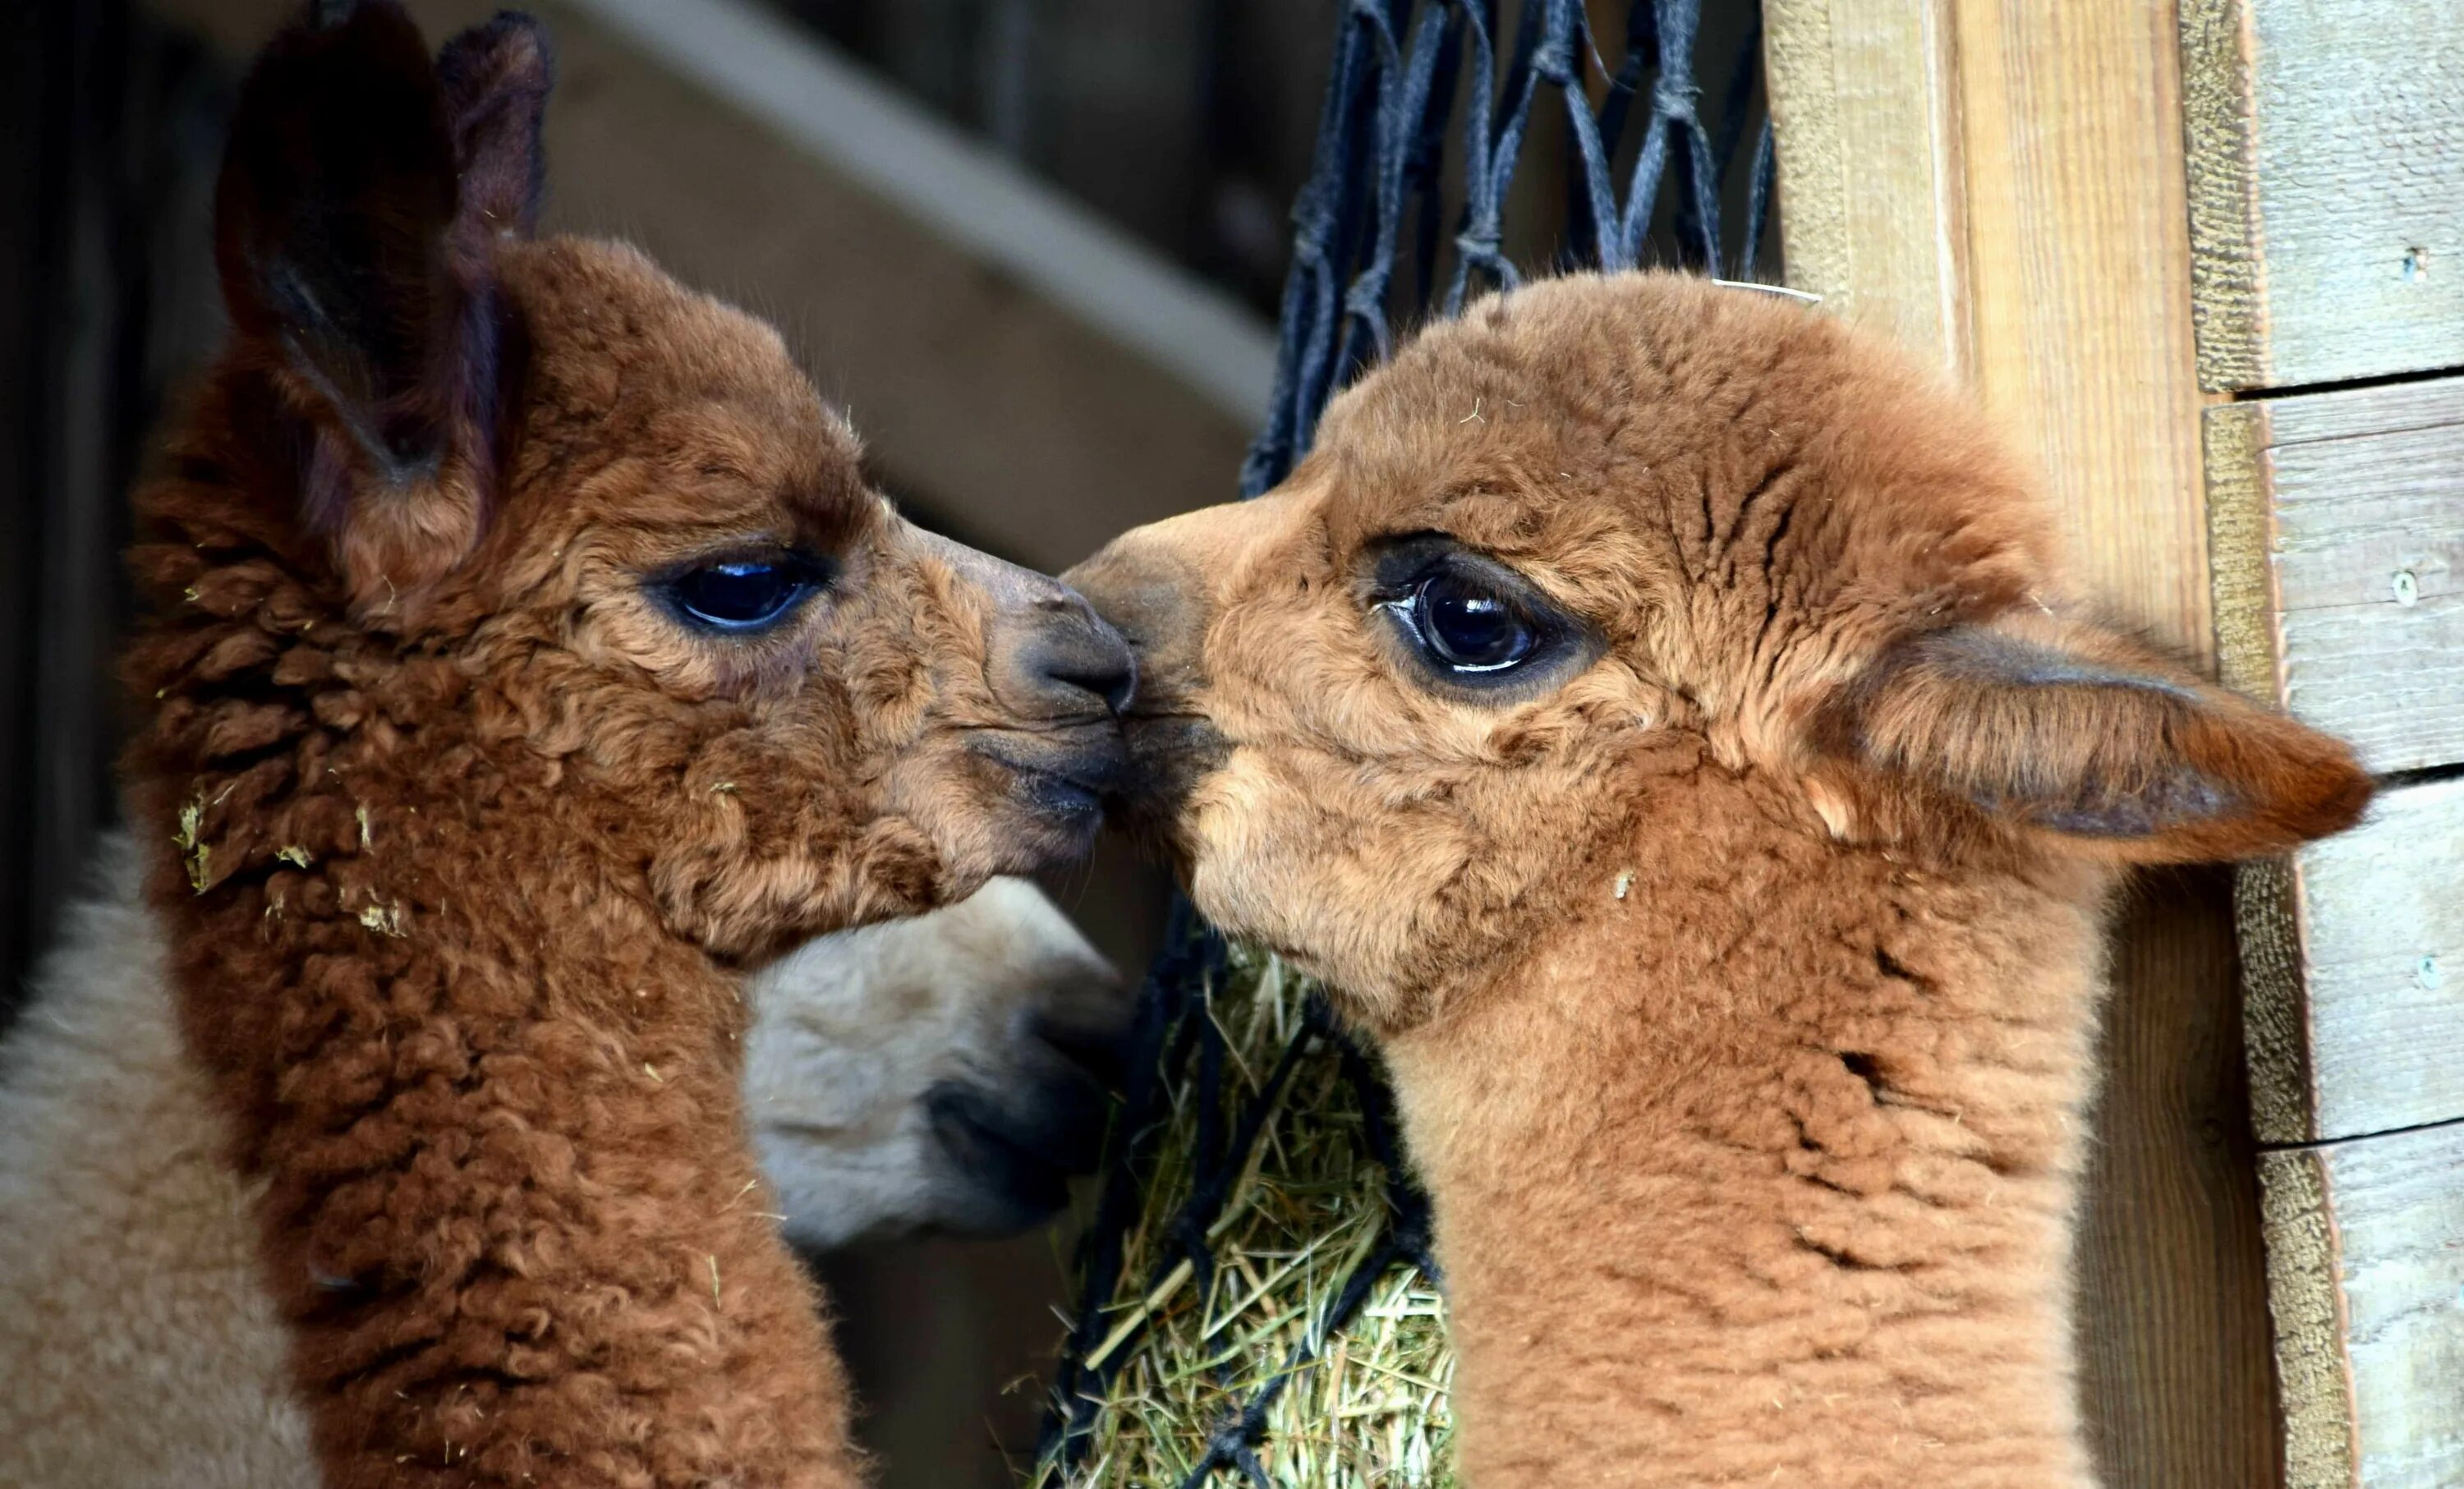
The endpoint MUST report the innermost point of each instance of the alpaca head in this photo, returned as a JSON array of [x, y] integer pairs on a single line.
[[593, 514], [947, 1071], [1606, 539]]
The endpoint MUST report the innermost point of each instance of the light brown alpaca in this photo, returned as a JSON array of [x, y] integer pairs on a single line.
[[1659, 715], [529, 659]]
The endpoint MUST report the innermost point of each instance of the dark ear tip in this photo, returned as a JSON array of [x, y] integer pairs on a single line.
[[496, 79], [2335, 794], [329, 52], [329, 15], [2304, 784], [339, 85]]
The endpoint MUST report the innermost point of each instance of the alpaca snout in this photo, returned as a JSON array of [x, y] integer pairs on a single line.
[[1056, 678], [1145, 594], [1157, 600], [1051, 660], [1013, 1148], [1066, 677], [1068, 662]]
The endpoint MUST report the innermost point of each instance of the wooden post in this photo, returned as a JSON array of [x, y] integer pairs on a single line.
[[2001, 183], [2134, 201], [1864, 110]]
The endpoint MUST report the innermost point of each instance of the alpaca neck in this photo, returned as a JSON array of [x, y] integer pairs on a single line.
[[1763, 1172], [511, 1216]]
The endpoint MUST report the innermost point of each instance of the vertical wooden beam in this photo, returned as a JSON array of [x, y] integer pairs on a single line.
[[2001, 183], [1864, 109], [2079, 283]]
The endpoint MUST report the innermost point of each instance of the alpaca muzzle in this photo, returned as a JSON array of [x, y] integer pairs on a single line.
[[1156, 601]]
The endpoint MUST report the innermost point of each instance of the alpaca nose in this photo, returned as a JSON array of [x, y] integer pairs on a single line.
[[1049, 657], [1075, 661], [1154, 601]]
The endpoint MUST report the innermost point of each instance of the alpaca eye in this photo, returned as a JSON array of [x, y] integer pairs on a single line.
[[740, 594], [1469, 626]]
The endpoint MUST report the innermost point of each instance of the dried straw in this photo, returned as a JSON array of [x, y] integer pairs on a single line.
[[1363, 1408]]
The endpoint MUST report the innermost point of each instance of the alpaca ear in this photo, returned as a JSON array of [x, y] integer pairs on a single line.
[[495, 78], [360, 195], [2078, 736]]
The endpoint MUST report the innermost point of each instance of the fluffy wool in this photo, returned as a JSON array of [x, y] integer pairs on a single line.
[[465, 818], [138, 1344], [1736, 955]]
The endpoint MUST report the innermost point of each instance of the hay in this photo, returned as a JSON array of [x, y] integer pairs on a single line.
[[1363, 1408]]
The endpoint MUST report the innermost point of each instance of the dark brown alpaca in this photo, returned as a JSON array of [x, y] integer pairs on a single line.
[[528, 658], [1659, 715]]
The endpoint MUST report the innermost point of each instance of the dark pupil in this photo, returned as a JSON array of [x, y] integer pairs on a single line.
[[1471, 626], [736, 594]]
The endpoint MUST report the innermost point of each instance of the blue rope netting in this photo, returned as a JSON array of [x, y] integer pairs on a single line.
[[1395, 158]]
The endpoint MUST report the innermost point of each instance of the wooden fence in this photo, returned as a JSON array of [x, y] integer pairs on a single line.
[[2205, 258]]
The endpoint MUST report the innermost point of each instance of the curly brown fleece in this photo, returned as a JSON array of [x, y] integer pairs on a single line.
[[1737, 966], [463, 836]]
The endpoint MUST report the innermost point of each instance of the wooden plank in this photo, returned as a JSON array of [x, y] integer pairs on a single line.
[[2353, 972], [865, 132], [2078, 273], [1008, 416], [2173, 1304], [2327, 188], [2080, 265], [1863, 108], [2017, 164], [2338, 525], [2366, 1277]]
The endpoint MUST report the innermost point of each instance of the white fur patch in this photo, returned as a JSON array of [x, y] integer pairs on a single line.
[[136, 1346], [850, 1031]]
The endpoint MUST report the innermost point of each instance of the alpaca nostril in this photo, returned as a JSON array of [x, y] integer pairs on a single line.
[[1079, 661]]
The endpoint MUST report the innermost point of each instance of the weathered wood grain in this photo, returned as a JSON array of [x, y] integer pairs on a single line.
[[2172, 1303], [2337, 523], [2353, 974], [2000, 184], [2326, 172], [2079, 270], [2079, 277], [1864, 105], [2304, 1295], [2366, 1279]]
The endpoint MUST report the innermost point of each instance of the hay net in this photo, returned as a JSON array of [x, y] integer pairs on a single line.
[[1255, 1204]]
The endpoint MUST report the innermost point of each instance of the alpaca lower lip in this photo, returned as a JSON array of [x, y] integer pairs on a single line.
[[1067, 780], [1169, 754], [1058, 796]]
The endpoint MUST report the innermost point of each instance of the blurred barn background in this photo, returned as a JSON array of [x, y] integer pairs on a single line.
[[1034, 246]]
